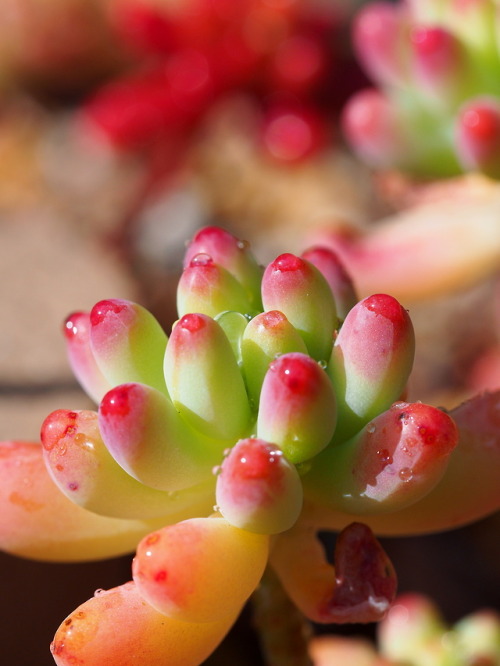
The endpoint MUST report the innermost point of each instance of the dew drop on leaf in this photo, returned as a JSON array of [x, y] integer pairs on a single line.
[[406, 474]]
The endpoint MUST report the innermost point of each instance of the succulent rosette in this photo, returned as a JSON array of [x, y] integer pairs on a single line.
[[274, 409], [435, 110], [189, 57]]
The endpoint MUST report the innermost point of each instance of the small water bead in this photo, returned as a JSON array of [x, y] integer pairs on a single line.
[[216, 470], [99, 591], [152, 539], [272, 319], [384, 456], [192, 322], [62, 449], [288, 262], [227, 451], [323, 365], [273, 455], [84, 441], [242, 245], [406, 474], [370, 428], [201, 259]]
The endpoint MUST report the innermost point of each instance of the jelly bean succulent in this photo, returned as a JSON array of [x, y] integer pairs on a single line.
[[414, 633], [436, 108], [275, 409], [188, 57]]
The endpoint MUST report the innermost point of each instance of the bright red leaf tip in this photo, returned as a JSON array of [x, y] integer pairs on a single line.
[[255, 460], [73, 324], [116, 403], [478, 136], [56, 426], [386, 306], [481, 123], [258, 489], [298, 373], [100, 310], [431, 41], [215, 242]]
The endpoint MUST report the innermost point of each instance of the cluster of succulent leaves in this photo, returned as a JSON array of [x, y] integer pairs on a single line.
[[273, 410], [414, 633], [187, 57], [436, 108]]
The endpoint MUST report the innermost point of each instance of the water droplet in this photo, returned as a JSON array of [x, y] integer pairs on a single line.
[[384, 456], [248, 316], [201, 259], [98, 592], [277, 355], [216, 508], [227, 451], [216, 470], [243, 245], [323, 365], [406, 474], [370, 428]]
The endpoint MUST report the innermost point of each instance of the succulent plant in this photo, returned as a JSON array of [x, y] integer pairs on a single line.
[[190, 56], [435, 110], [273, 410], [414, 633]]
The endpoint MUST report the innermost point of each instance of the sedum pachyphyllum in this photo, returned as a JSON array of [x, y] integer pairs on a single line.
[[435, 110], [274, 409]]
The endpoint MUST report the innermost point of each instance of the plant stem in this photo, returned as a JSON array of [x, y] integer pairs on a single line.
[[284, 632]]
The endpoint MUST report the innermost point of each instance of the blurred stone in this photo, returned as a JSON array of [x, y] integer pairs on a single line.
[[54, 259]]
